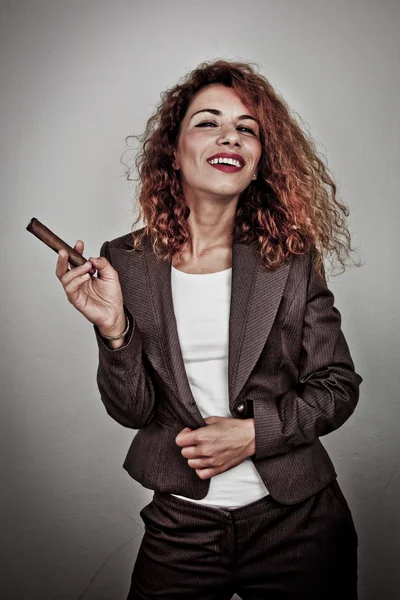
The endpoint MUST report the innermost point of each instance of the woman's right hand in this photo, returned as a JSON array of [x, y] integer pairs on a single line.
[[99, 298]]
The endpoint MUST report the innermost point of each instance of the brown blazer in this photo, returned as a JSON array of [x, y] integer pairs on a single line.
[[289, 366]]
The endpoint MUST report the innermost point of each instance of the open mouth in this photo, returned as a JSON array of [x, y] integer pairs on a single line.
[[226, 163]]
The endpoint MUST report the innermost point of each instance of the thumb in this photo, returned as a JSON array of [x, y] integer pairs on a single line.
[[106, 271]]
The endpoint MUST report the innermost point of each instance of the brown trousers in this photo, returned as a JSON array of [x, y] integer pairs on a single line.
[[262, 551]]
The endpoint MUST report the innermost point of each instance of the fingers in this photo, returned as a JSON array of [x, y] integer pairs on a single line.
[[203, 463], [103, 266], [79, 246], [190, 452], [64, 274], [62, 262], [196, 460], [105, 270], [73, 280], [207, 473], [186, 437]]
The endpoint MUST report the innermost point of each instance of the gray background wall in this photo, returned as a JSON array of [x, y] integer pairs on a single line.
[[76, 78]]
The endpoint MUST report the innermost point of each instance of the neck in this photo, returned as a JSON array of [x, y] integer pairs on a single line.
[[211, 222]]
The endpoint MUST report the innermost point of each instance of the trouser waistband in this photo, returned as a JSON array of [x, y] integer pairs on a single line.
[[193, 508]]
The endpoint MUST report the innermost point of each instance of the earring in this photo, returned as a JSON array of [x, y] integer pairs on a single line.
[[254, 176], [174, 166]]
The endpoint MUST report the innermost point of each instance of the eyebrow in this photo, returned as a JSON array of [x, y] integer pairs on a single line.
[[218, 113]]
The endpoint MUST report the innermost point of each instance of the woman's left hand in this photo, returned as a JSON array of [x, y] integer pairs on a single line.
[[223, 444]]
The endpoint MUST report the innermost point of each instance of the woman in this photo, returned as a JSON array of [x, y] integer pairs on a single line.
[[218, 340]]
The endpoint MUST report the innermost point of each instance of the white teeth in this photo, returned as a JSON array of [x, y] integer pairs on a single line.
[[225, 161]]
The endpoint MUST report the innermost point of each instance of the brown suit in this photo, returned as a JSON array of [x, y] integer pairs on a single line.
[[289, 364]]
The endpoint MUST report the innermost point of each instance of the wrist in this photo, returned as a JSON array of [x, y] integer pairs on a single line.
[[115, 344], [250, 428], [117, 329]]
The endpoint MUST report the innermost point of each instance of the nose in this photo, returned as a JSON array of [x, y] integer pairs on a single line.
[[229, 136]]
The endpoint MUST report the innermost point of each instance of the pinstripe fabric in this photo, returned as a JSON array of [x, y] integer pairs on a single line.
[[287, 355], [262, 551]]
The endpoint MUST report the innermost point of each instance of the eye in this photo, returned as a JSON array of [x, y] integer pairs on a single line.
[[247, 129], [206, 123]]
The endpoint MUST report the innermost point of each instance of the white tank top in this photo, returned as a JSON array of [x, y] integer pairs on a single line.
[[202, 306]]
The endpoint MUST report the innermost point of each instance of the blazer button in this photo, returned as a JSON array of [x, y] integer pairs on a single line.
[[240, 409]]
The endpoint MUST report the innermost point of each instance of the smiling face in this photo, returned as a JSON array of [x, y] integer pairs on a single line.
[[219, 147]]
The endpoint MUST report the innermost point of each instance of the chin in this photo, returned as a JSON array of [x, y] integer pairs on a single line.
[[230, 191], [227, 190]]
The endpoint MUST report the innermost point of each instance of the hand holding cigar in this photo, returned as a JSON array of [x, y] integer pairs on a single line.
[[55, 243], [99, 298]]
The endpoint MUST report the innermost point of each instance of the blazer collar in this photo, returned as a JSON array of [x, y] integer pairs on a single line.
[[255, 297]]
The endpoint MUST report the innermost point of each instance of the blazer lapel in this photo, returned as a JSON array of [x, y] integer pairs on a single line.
[[255, 298]]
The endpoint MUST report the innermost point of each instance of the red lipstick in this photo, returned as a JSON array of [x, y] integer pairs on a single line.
[[225, 167]]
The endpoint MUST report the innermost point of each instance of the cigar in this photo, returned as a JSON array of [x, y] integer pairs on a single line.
[[55, 243]]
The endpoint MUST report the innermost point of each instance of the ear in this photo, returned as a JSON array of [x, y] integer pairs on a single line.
[[175, 164]]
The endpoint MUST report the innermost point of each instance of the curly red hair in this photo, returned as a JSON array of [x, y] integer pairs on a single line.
[[291, 208]]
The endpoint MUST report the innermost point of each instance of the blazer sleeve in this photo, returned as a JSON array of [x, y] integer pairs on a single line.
[[123, 378], [328, 388]]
